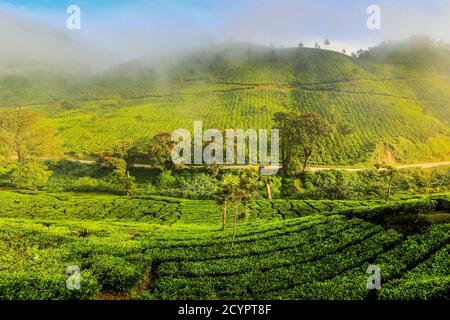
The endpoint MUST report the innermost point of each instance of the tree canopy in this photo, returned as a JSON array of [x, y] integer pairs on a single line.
[[24, 136], [300, 137]]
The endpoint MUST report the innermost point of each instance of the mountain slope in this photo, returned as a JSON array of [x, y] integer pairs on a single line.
[[395, 111]]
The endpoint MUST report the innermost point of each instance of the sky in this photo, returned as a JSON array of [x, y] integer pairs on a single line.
[[132, 28]]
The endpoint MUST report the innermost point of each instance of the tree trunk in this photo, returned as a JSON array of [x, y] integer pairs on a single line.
[[389, 188], [305, 163], [17, 147], [236, 213], [284, 162], [224, 214], [269, 189], [307, 153]]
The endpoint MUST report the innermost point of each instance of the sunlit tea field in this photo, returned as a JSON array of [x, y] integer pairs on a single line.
[[164, 248]]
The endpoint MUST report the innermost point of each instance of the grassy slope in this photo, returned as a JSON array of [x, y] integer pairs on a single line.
[[127, 249], [397, 103]]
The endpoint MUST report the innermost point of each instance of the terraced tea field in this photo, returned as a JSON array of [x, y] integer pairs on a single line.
[[162, 248]]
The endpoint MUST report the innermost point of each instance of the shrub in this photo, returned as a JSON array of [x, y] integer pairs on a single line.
[[200, 186], [121, 181], [166, 179], [115, 273], [44, 286], [30, 175]]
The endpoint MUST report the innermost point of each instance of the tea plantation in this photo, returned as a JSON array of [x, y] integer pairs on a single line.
[[164, 248], [380, 105]]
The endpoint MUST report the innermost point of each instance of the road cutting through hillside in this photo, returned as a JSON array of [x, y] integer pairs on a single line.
[[314, 169]]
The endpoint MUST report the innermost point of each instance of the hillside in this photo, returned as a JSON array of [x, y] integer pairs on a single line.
[[396, 103]]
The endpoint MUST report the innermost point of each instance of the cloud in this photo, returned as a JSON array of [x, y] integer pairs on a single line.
[[286, 22], [402, 20], [128, 30], [29, 44]]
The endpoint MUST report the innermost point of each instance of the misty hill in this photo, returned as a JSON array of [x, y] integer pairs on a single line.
[[391, 104], [39, 61]]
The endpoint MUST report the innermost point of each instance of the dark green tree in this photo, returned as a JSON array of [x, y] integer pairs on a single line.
[[300, 136], [310, 129]]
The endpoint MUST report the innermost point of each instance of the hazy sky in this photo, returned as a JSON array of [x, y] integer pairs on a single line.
[[129, 29]]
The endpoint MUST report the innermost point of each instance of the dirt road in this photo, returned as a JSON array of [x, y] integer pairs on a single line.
[[237, 167]]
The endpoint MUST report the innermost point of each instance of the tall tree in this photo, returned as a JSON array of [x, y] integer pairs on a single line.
[[310, 129], [120, 158], [389, 173], [125, 150], [241, 190], [226, 191], [300, 136], [285, 123], [24, 136], [247, 193], [159, 150]]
